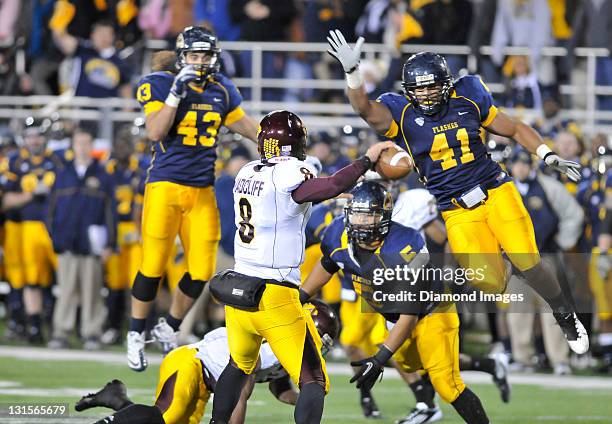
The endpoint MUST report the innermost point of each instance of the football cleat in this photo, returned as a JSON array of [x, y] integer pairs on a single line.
[[574, 331], [369, 408], [113, 396], [135, 351], [422, 413], [500, 377], [165, 335]]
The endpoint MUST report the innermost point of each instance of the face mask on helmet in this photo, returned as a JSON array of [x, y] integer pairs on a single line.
[[197, 46], [427, 82], [367, 227]]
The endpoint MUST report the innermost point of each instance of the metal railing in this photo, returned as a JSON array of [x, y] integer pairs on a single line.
[[316, 115]]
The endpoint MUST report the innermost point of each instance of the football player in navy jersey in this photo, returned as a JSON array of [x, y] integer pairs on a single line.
[[183, 114], [438, 121], [423, 334]]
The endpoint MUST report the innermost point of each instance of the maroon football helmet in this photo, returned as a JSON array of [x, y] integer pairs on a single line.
[[281, 133], [326, 322]]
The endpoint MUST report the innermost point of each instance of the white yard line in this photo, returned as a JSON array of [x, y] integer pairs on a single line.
[[470, 377]]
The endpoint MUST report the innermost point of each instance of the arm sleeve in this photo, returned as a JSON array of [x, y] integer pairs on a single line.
[[473, 88], [327, 247], [392, 102], [152, 92], [567, 209], [323, 188], [234, 100]]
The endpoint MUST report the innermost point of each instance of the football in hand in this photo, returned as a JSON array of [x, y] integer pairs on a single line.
[[394, 163]]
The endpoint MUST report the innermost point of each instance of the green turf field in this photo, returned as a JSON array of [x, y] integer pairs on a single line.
[[64, 381]]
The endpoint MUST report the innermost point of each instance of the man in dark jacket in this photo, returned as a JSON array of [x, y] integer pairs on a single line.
[[81, 224]]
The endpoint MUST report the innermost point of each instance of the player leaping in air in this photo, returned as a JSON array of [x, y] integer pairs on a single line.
[[183, 114], [438, 121]]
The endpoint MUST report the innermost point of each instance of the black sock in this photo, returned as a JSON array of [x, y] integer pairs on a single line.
[[35, 321], [469, 407], [506, 343], [175, 323], [230, 384], [309, 406], [138, 324], [365, 392], [135, 414], [482, 364], [116, 308], [423, 392], [544, 282]]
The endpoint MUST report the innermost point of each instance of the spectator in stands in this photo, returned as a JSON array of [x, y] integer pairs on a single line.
[[552, 121], [181, 14], [522, 88], [264, 20], [9, 10], [154, 19], [81, 224], [480, 35], [524, 24], [100, 71], [215, 14], [557, 220], [446, 22], [593, 28]]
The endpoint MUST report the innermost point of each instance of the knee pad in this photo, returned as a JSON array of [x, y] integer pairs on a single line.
[[192, 288], [145, 288]]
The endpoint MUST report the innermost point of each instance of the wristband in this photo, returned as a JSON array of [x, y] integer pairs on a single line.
[[353, 79], [542, 151], [304, 297], [367, 162], [383, 355], [173, 100]]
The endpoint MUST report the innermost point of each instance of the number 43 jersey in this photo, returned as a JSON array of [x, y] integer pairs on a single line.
[[187, 154], [447, 148], [269, 242]]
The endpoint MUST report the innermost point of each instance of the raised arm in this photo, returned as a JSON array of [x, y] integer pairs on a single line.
[[375, 114]]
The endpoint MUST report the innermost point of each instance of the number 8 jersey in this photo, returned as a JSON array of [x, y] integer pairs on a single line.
[[447, 147], [270, 236], [187, 154]]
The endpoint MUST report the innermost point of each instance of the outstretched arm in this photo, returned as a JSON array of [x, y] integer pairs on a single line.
[[527, 137], [323, 188], [375, 114]]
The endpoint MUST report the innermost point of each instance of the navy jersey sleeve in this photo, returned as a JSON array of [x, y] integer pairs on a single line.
[[233, 111], [331, 239], [153, 90], [10, 173], [396, 104], [472, 88]]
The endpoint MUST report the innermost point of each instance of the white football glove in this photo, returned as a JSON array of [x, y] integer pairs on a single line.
[[567, 167], [339, 48]]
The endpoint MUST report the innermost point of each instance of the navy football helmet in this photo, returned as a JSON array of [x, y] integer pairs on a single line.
[[427, 69], [198, 39], [367, 215]]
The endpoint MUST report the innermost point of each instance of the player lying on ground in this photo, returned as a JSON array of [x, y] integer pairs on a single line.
[[188, 376], [422, 335], [438, 122], [273, 200]]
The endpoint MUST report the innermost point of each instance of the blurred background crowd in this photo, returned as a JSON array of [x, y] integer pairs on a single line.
[[72, 185]]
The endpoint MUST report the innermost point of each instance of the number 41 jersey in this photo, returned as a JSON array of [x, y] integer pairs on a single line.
[[269, 242], [447, 149]]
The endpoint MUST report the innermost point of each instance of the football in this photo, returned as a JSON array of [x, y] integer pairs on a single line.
[[394, 163]]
